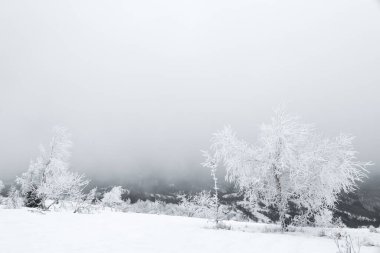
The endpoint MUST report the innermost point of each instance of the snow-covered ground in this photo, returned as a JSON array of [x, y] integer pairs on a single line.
[[108, 232]]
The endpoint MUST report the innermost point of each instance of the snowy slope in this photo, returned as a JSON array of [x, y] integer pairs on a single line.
[[106, 232]]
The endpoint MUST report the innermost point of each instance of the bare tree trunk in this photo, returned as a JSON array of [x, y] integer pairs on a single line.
[[216, 200], [281, 202]]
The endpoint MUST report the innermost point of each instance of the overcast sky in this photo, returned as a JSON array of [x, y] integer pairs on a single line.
[[142, 85]]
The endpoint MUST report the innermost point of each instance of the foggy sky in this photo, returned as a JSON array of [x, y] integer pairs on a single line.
[[142, 85]]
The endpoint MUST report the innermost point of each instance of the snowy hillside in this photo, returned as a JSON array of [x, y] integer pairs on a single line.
[[25, 231]]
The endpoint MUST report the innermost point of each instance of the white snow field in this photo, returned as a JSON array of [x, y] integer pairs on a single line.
[[107, 232]]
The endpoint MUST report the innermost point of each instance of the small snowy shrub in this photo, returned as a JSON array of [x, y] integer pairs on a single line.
[[372, 229], [201, 205], [272, 229], [14, 199], [138, 207], [88, 204], [346, 244], [186, 205], [156, 207], [222, 225], [112, 198]]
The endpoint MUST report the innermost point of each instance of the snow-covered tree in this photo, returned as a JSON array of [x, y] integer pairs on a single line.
[[14, 199], [48, 177], [290, 163], [113, 197], [87, 202], [210, 163], [186, 204], [201, 204]]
